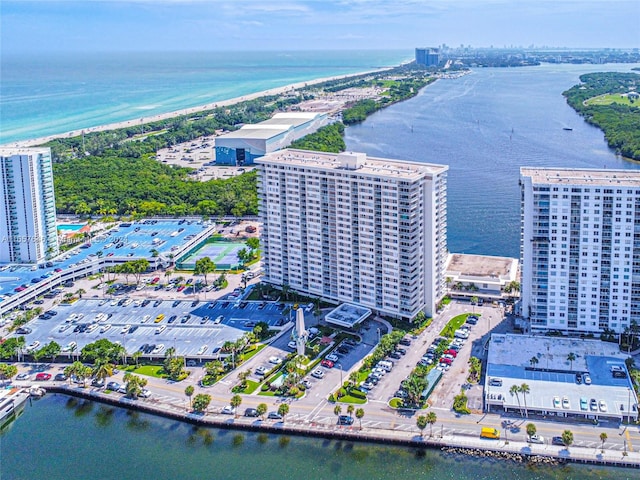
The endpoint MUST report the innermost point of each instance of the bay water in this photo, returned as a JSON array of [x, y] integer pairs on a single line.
[[484, 125]]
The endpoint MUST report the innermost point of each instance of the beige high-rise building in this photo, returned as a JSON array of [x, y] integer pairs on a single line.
[[351, 228]]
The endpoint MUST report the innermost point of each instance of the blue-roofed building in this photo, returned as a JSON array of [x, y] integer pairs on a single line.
[[243, 146], [592, 383]]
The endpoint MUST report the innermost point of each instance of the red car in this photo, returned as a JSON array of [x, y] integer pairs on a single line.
[[180, 288], [327, 363], [155, 280], [445, 360], [451, 352], [42, 377]]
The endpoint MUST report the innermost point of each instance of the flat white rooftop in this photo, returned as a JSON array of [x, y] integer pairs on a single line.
[[355, 162], [347, 315], [586, 177]]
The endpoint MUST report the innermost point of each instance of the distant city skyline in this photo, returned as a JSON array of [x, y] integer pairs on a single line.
[[182, 25]]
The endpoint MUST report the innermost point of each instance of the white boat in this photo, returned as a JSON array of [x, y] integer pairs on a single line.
[[12, 403], [37, 392]]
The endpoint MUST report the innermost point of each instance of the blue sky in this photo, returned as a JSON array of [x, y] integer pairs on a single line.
[[90, 25]]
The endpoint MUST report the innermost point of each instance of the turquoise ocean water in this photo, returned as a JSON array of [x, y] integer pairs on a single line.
[[44, 95]]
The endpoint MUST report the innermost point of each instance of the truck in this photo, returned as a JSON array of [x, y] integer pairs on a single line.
[[489, 432]]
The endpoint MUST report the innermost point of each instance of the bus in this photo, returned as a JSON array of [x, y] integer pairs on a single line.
[[488, 432]]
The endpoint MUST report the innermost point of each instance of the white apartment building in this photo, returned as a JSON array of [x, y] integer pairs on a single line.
[[351, 228], [580, 249], [28, 222]]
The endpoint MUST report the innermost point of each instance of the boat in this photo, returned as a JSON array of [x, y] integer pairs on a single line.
[[568, 129], [37, 392], [12, 401]]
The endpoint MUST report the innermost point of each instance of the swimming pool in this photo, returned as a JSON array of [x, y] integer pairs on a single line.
[[71, 227]]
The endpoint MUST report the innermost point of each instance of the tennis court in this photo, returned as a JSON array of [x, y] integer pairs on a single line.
[[223, 254]]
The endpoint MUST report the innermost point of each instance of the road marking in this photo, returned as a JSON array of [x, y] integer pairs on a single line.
[[628, 437]]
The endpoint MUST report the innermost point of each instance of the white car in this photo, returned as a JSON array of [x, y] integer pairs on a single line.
[[228, 410], [160, 329], [603, 406], [261, 370], [292, 345], [64, 327], [144, 393], [202, 349], [275, 360], [565, 402], [125, 329], [333, 357], [145, 318], [33, 346], [104, 328], [70, 347], [159, 348], [539, 439], [318, 373]]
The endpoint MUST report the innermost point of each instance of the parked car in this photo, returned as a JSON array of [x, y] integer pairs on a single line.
[[113, 386], [251, 412], [345, 420], [539, 439], [327, 363], [274, 416], [228, 410], [97, 382], [60, 377], [586, 378], [557, 441], [275, 360], [43, 377], [332, 358], [317, 373]]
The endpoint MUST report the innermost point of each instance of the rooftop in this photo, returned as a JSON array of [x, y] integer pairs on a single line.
[[570, 176], [258, 131], [354, 161], [347, 315], [481, 265], [9, 151]]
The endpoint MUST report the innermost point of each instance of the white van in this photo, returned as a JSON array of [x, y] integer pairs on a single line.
[[461, 334], [385, 365]]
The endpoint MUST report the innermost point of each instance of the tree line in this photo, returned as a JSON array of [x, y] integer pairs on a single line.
[[620, 123]]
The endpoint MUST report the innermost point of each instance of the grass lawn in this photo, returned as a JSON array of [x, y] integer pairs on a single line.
[[248, 355], [268, 393], [251, 387], [148, 370], [610, 98], [395, 403], [349, 399], [454, 324]]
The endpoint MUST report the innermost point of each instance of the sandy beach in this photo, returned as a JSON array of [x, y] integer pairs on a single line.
[[185, 111]]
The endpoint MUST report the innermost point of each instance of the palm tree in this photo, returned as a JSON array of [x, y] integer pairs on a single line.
[[136, 356], [524, 389], [350, 410], [80, 292], [262, 409], [235, 402], [283, 410], [359, 415], [102, 370], [514, 391], [421, 422], [432, 418], [567, 438], [188, 391], [353, 378], [534, 361], [337, 410], [603, 438], [474, 301], [571, 357]]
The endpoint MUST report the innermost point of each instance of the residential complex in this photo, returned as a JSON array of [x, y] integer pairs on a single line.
[[28, 221], [429, 57], [243, 146], [351, 228], [580, 249]]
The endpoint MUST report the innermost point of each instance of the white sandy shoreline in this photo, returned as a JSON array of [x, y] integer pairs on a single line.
[[186, 111]]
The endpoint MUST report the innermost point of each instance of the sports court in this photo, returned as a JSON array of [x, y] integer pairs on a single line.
[[223, 254]]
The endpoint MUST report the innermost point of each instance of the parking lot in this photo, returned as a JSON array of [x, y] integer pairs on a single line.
[[186, 325]]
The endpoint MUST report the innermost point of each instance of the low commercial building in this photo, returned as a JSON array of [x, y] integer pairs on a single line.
[[564, 377], [242, 146], [347, 316], [480, 275]]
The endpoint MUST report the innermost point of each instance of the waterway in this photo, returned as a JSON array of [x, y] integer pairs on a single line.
[[485, 126], [61, 438]]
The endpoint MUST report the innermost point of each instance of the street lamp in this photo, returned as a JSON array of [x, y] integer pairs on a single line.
[[378, 334], [341, 380], [628, 405]]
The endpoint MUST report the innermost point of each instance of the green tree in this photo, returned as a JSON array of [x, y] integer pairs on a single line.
[[414, 387], [571, 357], [567, 438], [432, 418], [350, 410], [8, 371], [262, 409], [204, 266], [531, 429], [514, 390], [201, 402], [421, 422], [136, 357], [188, 391], [134, 385], [337, 410], [533, 361], [359, 415], [103, 349], [102, 370], [603, 438], [283, 410], [235, 402], [525, 390]]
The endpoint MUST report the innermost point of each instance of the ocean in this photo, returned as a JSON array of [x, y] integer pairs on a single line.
[[41, 95]]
